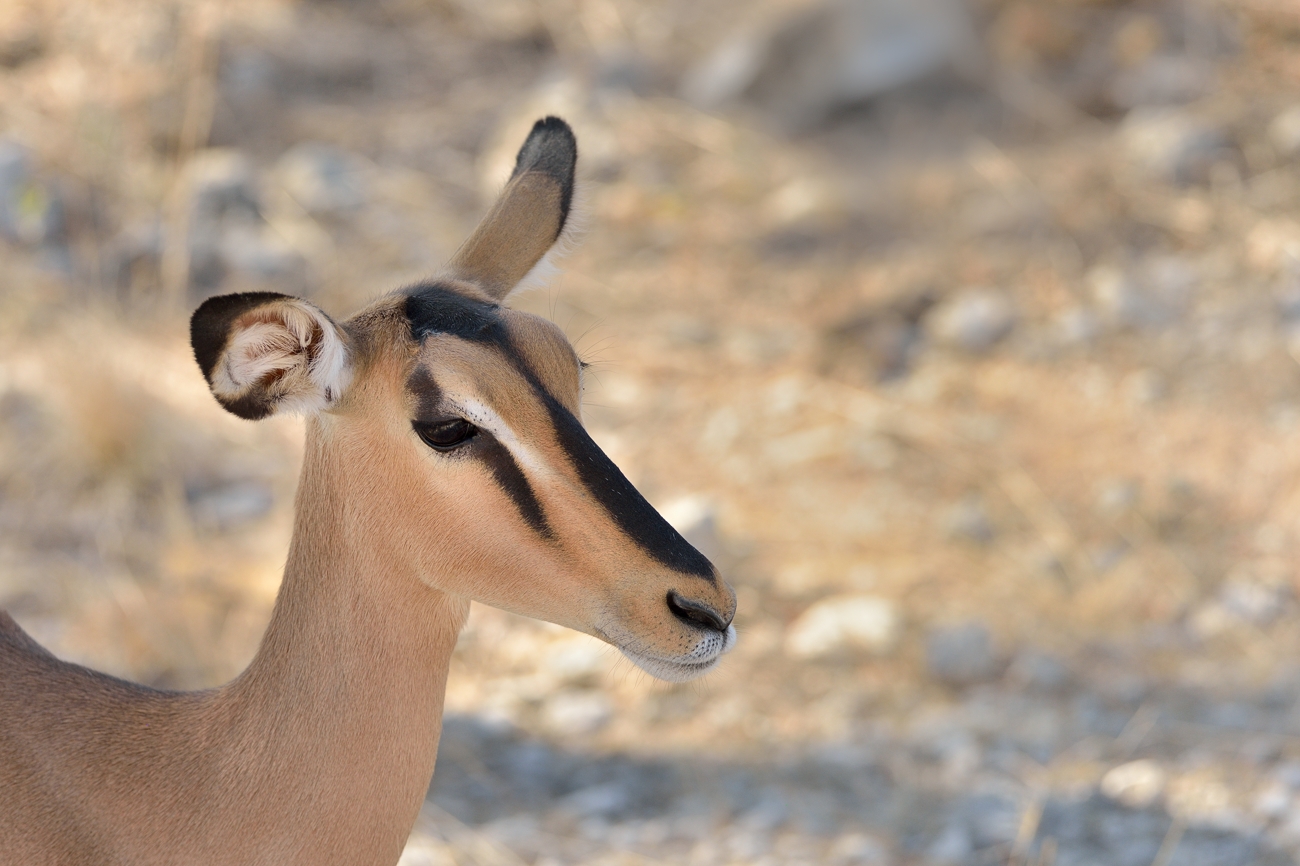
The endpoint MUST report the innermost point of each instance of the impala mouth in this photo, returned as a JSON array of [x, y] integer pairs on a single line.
[[679, 669]]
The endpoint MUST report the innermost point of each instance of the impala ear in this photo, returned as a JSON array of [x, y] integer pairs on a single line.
[[263, 352], [528, 217]]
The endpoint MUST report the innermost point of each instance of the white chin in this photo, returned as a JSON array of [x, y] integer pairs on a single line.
[[690, 667]]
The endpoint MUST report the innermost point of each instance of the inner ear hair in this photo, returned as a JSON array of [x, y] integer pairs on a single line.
[[264, 352], [528, 217]]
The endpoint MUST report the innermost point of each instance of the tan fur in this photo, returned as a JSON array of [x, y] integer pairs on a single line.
[[321, 751], [506, 247]]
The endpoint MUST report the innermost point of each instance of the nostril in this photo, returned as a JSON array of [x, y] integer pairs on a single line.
[[696, 613]]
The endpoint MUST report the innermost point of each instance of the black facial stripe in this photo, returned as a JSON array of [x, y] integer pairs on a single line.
[[435, 309], [511, 479], [428, 394], [623, 502], [629, 510], [494, 455]]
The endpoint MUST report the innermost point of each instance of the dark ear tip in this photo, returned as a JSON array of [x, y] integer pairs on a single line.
[[552, 124], [551, 147]]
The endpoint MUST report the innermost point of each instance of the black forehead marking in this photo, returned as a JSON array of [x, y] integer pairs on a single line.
[[432, 308]]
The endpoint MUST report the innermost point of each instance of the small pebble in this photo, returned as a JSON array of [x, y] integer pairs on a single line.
[[1284, 132], [961, 655], [1173, 145], [1136, 784], [974, 320]]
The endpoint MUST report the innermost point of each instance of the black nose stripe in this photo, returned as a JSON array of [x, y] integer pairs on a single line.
[[622, 502]]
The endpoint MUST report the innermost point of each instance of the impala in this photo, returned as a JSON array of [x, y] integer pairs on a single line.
[[445, 462]]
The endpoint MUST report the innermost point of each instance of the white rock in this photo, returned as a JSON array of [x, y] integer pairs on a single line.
[[1284, 132], [577, 658], [1273, 801], [1241, 600], [802, 65], [861, 623], [227, 231], [1114, 292], [859, 848], [972, 319], [1117, 497], [425, 850], [576, 712], [1136, 784], [1148, 300], [1077, 326], [597, 800], [1174, 278], [1173, 145], [1254, 601]]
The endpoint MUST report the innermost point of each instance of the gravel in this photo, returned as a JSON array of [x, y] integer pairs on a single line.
[[877, 802]]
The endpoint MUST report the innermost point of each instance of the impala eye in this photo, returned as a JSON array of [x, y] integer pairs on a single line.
[[445, 435]]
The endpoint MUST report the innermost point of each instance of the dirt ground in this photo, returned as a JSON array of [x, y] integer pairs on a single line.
[[984, 392]]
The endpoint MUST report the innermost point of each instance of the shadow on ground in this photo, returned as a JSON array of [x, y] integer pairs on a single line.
[[863, 804]]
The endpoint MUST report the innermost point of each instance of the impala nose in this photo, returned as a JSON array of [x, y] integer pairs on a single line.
[[697, 613]]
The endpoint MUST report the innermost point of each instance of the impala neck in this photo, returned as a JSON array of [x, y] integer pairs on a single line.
[[344, 698]]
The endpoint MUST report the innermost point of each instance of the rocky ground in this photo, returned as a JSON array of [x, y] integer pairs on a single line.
[[963, 337]]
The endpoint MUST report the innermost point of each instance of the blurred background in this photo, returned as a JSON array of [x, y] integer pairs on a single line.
[[962, 335]]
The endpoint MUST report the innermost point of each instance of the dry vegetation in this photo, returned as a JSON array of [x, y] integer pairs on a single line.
[[991, 350]]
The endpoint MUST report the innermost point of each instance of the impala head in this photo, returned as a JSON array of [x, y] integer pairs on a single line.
[[445, 428]]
